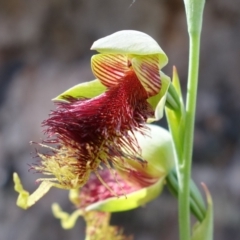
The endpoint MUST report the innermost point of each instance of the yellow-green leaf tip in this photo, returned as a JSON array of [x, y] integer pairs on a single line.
[[208, 195]]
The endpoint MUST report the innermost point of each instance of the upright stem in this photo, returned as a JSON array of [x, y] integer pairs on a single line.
[[186, 163], [194, 14]]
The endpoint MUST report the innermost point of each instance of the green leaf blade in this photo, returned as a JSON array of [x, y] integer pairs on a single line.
[[204, 230]]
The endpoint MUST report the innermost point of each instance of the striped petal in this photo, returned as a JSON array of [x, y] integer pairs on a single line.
[[109, 68], [148, 72], [130, 42]]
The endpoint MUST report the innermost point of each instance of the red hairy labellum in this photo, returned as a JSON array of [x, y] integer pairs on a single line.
[[98, 129]]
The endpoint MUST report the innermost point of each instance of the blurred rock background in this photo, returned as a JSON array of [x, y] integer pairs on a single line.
[[44, 49]]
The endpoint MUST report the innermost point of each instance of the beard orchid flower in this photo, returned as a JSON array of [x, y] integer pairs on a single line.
[[136, 184], [95, 121]]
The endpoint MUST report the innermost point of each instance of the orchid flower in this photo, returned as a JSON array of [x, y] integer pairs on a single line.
[[95, 121], [136, 184]]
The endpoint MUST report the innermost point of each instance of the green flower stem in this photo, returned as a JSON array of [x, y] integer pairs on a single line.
[[186, 163], [194, 13]]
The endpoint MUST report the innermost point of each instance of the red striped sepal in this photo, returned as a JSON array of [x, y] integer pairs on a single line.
[[110, 69]]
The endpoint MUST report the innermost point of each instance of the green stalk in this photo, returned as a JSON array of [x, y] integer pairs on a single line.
[[194, 12], [185, 168]]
